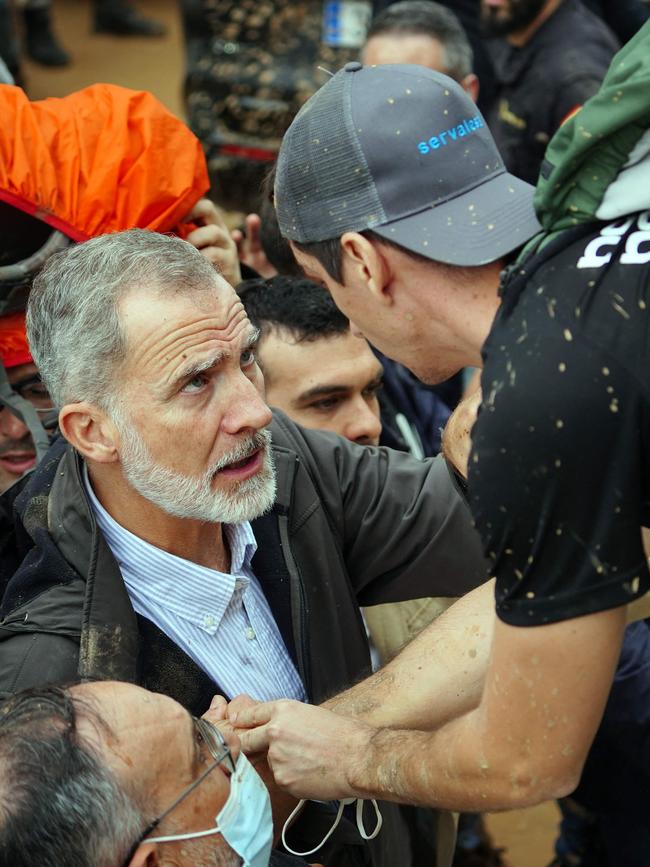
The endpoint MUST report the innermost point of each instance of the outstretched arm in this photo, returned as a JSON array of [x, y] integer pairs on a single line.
[[526, 740], [437, 676]]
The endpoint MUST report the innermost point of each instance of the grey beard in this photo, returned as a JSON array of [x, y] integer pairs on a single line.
[[189, 497]]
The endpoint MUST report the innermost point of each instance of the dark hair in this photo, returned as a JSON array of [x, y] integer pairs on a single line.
[[330, 256], [431, 19], [295, 304], [276, 248], [58, 803]]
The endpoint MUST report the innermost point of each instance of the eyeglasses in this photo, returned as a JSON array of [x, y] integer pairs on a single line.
[[31, 388], [220, 752]]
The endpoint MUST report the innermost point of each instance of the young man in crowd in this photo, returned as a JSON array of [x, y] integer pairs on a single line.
[[17, 449], [404, 209], [170, 472], [315, 370], [325, 378]]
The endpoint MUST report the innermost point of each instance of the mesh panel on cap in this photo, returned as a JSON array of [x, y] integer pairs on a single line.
[[323, 181]]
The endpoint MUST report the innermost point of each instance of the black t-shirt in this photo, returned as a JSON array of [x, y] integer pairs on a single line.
[[559, 476]]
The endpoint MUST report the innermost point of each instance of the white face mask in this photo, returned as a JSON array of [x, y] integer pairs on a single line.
[[245, 821], [342, 804]]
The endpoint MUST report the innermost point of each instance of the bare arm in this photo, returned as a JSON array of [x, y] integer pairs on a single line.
[[545, 692], [526, 741], [439, 675]]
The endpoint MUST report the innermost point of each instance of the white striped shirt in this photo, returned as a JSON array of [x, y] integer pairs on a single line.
[[221, 620]]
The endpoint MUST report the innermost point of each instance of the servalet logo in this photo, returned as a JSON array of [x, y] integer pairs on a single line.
[[448, 136]]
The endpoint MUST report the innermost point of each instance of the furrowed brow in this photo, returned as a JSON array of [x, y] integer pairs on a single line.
[[197, 367], [252, 338], [194, 368]]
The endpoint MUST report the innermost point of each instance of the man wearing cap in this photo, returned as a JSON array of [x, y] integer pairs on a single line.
[[392, 193]]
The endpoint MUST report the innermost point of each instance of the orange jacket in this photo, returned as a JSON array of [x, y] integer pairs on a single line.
[[100, 160]]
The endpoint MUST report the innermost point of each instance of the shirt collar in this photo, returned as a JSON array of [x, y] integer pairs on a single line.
[[189, 590]]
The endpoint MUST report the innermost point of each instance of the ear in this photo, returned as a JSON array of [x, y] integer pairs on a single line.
[[90, 431], [470, 84], [146, 855], [365, 264]]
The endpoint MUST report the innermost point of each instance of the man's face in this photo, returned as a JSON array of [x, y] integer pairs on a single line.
[[329, 383], [155, 751], [17, 453], [417, 48], [431, 349], [500, 17], [192, 419]]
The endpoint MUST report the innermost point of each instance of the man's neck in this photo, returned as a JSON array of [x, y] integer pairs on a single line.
[[519, 38], [466, 311], [193, 540]]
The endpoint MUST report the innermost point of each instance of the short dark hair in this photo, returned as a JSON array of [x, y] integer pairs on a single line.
[[330, 255], [58, 803], [276, 248], [296, 305], [431, 19]]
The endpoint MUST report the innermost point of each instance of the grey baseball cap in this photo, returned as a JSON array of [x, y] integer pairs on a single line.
[[403, 151]]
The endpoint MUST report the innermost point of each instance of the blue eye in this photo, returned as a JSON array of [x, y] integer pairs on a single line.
[[248, 357], [195, 384]]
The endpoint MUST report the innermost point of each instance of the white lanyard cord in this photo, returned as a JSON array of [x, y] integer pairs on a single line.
[[342, 804]]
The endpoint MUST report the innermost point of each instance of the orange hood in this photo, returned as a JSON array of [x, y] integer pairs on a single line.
[[100, 160]]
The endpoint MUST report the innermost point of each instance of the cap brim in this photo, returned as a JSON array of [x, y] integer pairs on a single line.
[[474, 228]]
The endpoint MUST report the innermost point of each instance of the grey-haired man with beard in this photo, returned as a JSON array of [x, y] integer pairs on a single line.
[[182, 539]]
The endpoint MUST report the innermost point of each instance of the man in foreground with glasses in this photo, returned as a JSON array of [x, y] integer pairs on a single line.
[[109, 774]]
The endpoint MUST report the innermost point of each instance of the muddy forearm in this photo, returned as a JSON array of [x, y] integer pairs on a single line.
[[437, 677]]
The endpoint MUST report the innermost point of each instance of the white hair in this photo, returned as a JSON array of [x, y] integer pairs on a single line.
[[189, 497], [73, 324]]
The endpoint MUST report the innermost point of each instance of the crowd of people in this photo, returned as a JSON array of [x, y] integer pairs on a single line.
[[323, 536]]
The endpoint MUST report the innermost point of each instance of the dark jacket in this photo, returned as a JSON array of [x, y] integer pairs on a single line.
[[351, 526], [539, 84]]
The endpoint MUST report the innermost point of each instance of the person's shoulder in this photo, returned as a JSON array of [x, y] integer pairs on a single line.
[[610, 250], [573, 20], [582, 297], [578, 42], [586, 249], [310, 458]]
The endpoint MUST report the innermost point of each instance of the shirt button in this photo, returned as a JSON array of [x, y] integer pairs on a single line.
[[250, 633], [208, 621]]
